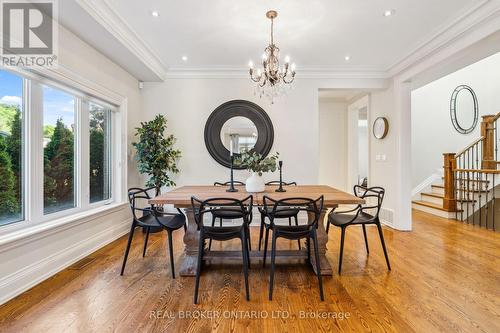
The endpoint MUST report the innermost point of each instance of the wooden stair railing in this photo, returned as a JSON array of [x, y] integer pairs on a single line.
[[449, 200], [466, 172], [480, 154]]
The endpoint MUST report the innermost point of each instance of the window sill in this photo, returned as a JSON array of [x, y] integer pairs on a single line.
[[17, 234]]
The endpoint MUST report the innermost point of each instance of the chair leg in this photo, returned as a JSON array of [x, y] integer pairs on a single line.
[[244, 251], [366, 239], [171, 252], [248, 246], [127, 249], [249, 243], [318, 267], [266, 240], [297, 224], [308, 246], [380, 232], [213, 225], [145, 242], [261, 231], [342, 237], [198, 267], [273, 259]]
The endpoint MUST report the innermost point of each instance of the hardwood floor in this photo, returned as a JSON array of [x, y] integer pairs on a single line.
[[445, 278]]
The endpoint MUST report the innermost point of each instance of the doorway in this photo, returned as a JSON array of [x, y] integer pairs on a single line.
[[358, 143]]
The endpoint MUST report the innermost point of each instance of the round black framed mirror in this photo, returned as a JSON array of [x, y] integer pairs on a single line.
[[464, 103], [238, 125]]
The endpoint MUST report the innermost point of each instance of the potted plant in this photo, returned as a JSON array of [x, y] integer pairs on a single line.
[[156, 155], [257, 165]]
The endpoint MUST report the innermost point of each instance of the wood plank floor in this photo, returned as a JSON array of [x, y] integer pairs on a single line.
[[445, 278]]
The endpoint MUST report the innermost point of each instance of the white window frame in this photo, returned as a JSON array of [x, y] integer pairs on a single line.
[[33, 171]]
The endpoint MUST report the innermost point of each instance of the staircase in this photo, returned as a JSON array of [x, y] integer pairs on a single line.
[[468, 190]]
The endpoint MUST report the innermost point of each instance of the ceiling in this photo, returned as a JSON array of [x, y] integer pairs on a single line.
[[220, 34], [313, 32]]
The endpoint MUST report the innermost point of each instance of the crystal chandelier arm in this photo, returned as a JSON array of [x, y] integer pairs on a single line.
[[263, 83], [290, 80], [254, 78]]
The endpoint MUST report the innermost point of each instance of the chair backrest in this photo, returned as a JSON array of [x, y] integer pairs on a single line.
[[277, 182], [368, 193], [135, 194], [241, 208], [313, 208], [229, 183]]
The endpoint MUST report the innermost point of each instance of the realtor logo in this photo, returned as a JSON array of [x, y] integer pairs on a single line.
[[28, 33]]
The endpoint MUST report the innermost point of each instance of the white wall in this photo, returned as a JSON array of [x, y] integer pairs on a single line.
[[333, 143], [188, 102], [432, 131], [385, 173], [30, 255]]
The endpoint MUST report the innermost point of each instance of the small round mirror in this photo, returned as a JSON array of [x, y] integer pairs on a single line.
[[239, 134]]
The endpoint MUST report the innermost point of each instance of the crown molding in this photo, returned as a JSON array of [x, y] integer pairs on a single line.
[[117, 26], [218, 72], [471, 19]]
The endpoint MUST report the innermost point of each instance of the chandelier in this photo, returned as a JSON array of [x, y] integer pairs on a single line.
[[272, 79]]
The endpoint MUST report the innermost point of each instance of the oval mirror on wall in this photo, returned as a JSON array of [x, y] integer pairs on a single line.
[[464, 109], [239, 124]]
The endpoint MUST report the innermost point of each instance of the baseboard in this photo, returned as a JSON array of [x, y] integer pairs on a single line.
[[26, 278]]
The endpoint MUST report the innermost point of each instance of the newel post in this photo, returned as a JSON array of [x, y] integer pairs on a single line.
[[488, 132], [449, 200]]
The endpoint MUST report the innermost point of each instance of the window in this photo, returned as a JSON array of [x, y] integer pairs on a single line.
[[57, 145], [100, 152], [11, 148], [59, 150]]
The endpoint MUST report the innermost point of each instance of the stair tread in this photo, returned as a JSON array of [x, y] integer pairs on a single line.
[[435, 195], [441, 196], [470, 190], [431, 205]]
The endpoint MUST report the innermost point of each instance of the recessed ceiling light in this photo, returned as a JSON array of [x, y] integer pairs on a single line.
[[389, 12], [184, 58], [347, 58], [155, 13]]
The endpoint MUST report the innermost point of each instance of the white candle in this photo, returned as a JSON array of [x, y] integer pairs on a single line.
[[231, 147]]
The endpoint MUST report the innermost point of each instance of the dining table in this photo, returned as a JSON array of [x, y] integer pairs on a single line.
[[181, 198]]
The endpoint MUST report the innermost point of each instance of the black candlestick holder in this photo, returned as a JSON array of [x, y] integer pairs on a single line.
[[231, 185], [281, 189]]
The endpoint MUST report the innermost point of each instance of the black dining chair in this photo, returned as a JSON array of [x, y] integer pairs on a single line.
[[311, 208], [148, 217], [283, 214], [216, 214], [361, 215], [227, 206]]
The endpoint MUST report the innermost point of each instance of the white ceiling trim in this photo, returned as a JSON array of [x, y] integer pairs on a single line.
[[302, 72], [116, 25], [468, 21]]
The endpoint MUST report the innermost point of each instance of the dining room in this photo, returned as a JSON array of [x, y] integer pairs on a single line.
[[248, 166]]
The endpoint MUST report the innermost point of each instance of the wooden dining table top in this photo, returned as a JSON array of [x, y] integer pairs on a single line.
[[181, 196]]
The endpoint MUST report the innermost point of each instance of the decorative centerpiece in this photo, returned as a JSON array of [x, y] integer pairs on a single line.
[[257, 165]]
